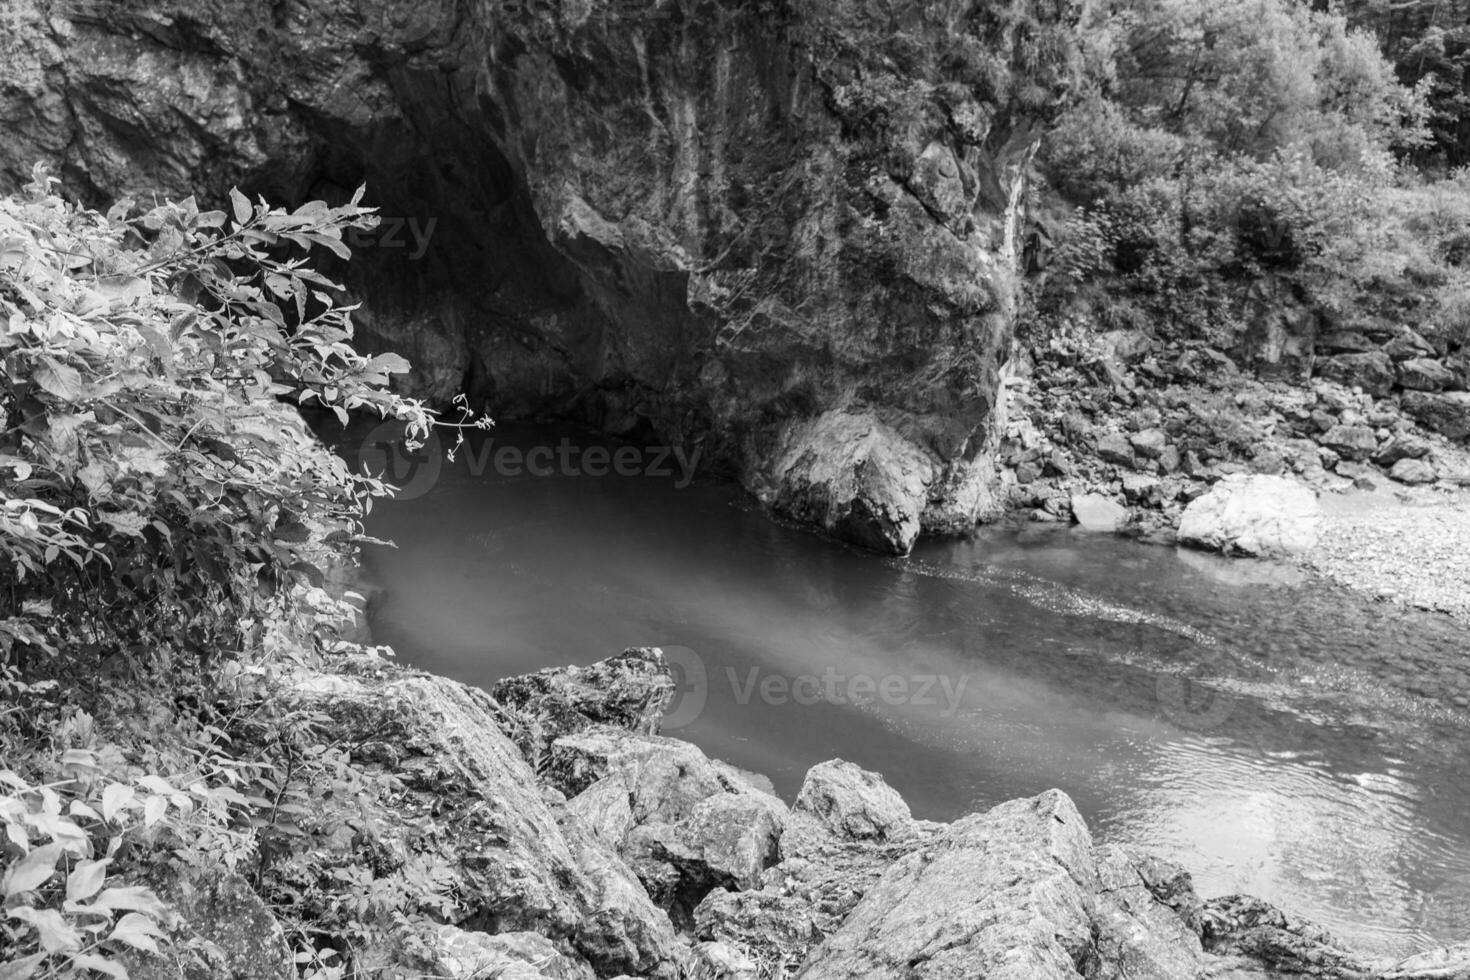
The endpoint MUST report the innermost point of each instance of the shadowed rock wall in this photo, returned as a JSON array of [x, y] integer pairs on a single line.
[[782, 230]]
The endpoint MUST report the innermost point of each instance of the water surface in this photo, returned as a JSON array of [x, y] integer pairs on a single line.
[[1272, 734]]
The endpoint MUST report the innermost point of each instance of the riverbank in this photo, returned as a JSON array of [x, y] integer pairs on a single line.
[[1407, 547], [1121, 433], [546, 830]]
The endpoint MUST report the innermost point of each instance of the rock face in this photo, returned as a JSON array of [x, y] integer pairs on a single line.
[[1262, 516], [629, 691], [469, 798], [853, 803], [708, 227]]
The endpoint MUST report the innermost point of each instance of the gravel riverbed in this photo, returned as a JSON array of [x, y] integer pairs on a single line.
[[1410, 547]]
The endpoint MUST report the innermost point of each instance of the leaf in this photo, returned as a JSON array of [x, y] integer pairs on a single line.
[[55, 934], [31, 871], [22, 968], [293, 532], [101, 964], [240, 204], [86, 879], [153, 810], [132, 898], [61, 380], [114, 798], [137, 931], [390, 363], [313, 574]]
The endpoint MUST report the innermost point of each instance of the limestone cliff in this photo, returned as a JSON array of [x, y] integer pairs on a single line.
[[781, 230]]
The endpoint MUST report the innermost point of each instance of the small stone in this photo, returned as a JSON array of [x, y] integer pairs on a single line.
[[1351, 441], [1113, 448], [1412, 471], [1149, 443]]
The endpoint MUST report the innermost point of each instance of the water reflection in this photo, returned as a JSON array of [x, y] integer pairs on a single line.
[[1274, 736]]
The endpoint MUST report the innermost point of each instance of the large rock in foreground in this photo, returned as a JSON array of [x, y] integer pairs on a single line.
[[468, 799], [1258, 516]]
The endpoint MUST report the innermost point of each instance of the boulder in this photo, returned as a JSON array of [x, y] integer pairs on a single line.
[[1261, 516], [853, 803], [1345, 342], [855, 477], [1446, 412], [222, 929], [1094, 512], [465, 798], [1115, 448], [1404, 446], [1350, 441], [1413, 471], [1007, 895], [1407, 345], [629, 691], [1424, 374], [458, 954], [1149, 443], [686, 824], [1142, 489], [1371, 371]]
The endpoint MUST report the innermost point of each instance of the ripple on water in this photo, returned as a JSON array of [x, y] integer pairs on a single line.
[[1273, 735]]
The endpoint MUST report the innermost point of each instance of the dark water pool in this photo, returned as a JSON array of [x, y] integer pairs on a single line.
[[1272, 734]]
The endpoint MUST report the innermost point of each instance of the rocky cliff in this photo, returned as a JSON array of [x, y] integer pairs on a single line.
[[779, 230]]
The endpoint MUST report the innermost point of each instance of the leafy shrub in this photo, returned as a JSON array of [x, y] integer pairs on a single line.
[[164, 515], [156, 498]]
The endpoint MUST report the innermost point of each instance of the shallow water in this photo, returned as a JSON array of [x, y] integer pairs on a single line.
[[1274, 735]]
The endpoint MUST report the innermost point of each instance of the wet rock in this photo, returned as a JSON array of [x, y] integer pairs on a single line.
[[854, 477], [466, 795], [629, 691], [1242, 926], [1261, 516], [1413, 471], [1445, 412], [1094, 512], [1423, 374], [1372, 371], [1350, 441], [853, 803]]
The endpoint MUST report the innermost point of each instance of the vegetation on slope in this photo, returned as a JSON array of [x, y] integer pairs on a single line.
[[166, 527]]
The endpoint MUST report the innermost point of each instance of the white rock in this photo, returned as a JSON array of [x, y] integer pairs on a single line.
[[1262, 516], [1094, 512]]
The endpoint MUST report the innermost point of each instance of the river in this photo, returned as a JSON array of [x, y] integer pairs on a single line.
[[1273, 734]]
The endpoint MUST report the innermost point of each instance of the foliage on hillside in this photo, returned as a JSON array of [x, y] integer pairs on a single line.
[[165, 520], [1240, 157]]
